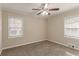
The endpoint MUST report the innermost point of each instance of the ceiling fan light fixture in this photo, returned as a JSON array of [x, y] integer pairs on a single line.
[[44, 13], [44, 10]]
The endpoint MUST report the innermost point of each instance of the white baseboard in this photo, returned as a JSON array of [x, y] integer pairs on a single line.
[[35, 42], [58, 42], [21, 44], [66, 45]]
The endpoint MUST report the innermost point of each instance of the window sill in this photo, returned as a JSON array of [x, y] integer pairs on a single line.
[[15, 37], [71, 37]]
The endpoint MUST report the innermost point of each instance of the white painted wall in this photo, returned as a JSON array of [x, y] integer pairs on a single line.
[[35, 30], [0, 30], [56, 29]]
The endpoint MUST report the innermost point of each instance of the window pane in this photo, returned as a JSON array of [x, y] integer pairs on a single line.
[[15, 26], [71, 27]]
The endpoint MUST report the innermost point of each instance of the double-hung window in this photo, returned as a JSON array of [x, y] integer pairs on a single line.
[[71, 27], [15, 26]]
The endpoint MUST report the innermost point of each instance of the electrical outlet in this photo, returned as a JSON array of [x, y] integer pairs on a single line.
[[73, 46]]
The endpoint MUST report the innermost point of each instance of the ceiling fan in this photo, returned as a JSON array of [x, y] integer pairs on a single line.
[[44, 10]]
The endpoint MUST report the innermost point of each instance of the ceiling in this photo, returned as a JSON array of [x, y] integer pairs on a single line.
[[27, 7]]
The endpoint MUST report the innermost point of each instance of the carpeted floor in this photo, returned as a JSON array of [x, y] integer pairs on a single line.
[[44, 48]]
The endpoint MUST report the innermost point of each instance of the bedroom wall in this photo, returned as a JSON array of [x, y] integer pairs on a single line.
[[0, 29], [56, 29], [35, 30]]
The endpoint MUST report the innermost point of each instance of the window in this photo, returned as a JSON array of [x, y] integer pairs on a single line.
[[71, 27], [15, 26]]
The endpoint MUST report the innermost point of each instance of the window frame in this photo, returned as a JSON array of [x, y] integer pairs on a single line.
[[70, 36], [15, 16]]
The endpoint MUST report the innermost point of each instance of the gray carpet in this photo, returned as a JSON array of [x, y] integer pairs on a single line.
[[44, 48]]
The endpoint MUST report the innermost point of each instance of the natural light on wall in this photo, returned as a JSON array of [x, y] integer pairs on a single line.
[[71, 27], [15, 27]]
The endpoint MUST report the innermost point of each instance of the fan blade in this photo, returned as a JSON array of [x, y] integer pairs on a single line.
[[54, 9], [35, 9], [40, 12], [42, 5], [45, 5]]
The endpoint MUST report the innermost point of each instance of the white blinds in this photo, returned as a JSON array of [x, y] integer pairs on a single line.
[[15, 26], [71, 26]]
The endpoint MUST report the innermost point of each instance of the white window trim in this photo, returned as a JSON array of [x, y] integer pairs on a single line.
[[70, 36], [9, 27]]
